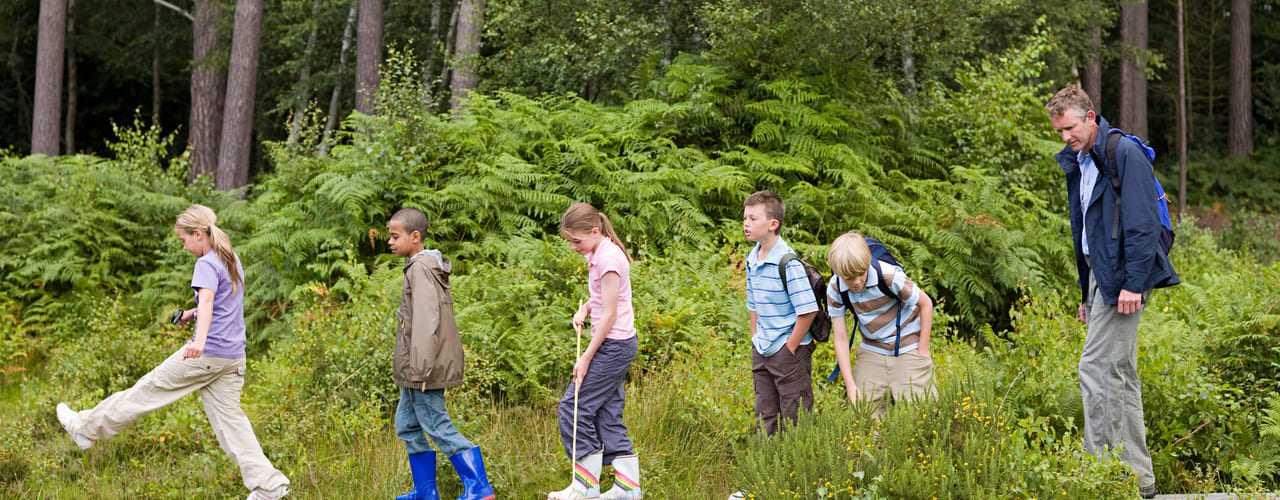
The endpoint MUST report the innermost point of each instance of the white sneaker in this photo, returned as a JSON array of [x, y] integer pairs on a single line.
[[261, 494], [71, 422], [739, 495]]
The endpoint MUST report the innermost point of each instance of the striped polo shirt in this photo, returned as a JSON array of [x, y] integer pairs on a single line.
[[776, 311], [877, 313]]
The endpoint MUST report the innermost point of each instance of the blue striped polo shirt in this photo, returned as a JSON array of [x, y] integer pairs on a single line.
[[776, 311], [877, 313]]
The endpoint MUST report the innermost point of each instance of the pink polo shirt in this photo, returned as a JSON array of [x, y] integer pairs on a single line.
[[608, 258]]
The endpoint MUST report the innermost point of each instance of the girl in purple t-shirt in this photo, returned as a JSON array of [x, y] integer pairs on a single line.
[[212, 362], [600, 371]]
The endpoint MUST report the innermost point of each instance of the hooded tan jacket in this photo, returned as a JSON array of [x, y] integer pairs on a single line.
[[428, 351]]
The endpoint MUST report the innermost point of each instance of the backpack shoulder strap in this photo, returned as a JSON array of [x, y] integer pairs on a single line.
[[1113, 171], [881, 284], [1113, 168], [782, 270], [844, 298]]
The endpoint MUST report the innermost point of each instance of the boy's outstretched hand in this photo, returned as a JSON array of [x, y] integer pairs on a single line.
[[854, 395]]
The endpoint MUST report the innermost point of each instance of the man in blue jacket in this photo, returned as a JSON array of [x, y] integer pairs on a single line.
[[1116, 275]]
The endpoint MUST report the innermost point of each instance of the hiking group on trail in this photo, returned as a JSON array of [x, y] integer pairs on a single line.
[[1120, 245]]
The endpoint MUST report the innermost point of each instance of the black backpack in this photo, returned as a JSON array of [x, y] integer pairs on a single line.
[[820, 329], [879, 254]]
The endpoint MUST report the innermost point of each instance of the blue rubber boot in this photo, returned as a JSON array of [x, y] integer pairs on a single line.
[[470, 467], [423, 466]]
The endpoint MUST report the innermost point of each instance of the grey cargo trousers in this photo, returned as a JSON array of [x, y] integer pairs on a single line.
[[1110, 387]]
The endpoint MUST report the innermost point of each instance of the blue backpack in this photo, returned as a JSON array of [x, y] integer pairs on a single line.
[[1113, 142], [879, 254]]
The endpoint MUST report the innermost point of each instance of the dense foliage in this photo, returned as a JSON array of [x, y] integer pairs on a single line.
[[954, 176]]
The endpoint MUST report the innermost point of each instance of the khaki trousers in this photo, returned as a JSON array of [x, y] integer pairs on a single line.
[[219, 381], [883, 379]]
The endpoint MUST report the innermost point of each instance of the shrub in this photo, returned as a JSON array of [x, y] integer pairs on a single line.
[[966, 443]]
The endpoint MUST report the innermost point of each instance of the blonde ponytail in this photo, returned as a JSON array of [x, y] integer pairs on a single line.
[[201, 218], [584, 217]]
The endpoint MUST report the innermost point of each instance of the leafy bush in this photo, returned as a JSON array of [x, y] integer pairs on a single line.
[[513, 316], [966, 443]]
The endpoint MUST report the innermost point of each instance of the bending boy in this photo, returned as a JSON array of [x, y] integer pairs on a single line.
[[893, 356]]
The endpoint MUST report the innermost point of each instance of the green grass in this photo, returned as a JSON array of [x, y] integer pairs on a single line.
[[173, 454]]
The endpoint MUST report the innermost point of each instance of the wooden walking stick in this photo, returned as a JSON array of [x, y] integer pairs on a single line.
[[573, 458]]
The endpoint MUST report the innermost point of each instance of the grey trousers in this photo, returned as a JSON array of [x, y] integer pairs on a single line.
[[1110, 387], [601, 401]]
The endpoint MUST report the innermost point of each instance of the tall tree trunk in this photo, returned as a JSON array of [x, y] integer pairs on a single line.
[[368, 54], [155, 71], [304, 78], [1182, 114], [447, 67], [1133, 77], [69, 130], [237, 114], [466, 58], [331, 123], [435, 41], [1092, 77], [50, 50], [1240, 131], [208, 87]]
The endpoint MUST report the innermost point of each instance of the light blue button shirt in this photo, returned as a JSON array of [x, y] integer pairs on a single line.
[[1088, 178], [777, 308]]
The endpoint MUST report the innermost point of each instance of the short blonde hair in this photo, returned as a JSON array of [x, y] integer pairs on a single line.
[[849, 256]]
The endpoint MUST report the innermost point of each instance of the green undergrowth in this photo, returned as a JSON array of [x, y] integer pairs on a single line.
[[966, 443], [321, 398]]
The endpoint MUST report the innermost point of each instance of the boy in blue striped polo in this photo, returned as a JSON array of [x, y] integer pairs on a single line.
[[893, 361], [782, 350]]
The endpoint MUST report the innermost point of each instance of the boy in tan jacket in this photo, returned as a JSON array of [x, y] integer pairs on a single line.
[[428, 359]]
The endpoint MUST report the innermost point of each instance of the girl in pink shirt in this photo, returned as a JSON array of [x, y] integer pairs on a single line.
[[601, 371]]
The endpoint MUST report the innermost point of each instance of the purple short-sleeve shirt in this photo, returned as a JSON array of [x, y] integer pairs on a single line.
[[226, 331]]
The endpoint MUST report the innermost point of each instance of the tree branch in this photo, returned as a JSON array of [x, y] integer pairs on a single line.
[[176, 9]]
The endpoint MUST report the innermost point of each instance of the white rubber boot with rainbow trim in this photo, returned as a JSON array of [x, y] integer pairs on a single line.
[[626, 479], [586, 478]]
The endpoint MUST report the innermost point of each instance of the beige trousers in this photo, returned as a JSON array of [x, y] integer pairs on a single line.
[[882, 378], [219, 381]]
